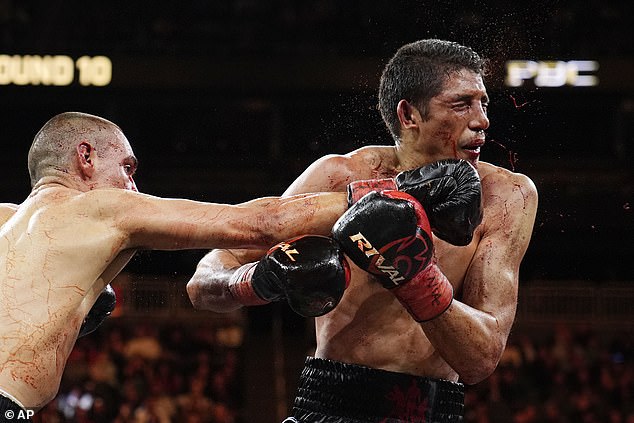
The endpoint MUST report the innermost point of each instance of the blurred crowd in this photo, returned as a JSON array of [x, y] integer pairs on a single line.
[[142, 373], [147, 373], [560, 375]]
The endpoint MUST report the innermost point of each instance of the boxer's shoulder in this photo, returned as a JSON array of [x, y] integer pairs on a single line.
[[333, 172], [507, 196], [369, 162], [497, 178], [64, 204]]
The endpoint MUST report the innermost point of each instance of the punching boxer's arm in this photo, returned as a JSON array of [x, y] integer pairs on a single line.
[[166, 224], [472, 333]]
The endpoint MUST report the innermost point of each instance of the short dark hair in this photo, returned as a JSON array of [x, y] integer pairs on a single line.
[[417, 72]]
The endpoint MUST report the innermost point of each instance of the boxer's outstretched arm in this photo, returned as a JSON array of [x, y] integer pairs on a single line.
[[155, 223]]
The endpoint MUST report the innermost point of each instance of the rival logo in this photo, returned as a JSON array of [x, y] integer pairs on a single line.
[[286, 249], [378, 260]]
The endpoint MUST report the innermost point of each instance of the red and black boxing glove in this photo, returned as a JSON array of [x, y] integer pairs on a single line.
[[310, 272], [449, 190], [388, 235]]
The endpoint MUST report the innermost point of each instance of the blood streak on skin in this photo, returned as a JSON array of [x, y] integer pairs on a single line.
[[519, 187], [335, 184]]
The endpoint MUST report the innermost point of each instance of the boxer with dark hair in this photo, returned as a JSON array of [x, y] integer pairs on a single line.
[[402, 354]]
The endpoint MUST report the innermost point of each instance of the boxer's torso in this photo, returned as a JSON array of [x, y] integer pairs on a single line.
[[369, 326], [55, 258]]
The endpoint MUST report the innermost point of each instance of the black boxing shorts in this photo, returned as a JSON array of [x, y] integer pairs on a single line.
[[334, 392], [11, 411]]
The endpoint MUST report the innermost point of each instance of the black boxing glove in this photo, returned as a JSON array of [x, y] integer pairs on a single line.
[[309, 271], [102, 308], [449, 190], [388, 235]]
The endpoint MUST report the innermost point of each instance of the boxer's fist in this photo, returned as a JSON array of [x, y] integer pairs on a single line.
[[102, 308], [310, 272], [386, 234], [449, 190]]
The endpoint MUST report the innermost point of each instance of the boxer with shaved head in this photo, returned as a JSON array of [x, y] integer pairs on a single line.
[[82, 222]]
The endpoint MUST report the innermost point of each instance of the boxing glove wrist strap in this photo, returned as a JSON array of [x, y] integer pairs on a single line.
[[358, 189], [427, 295], [241, 286]]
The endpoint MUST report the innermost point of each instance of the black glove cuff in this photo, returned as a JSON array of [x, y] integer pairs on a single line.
[[266, 284]]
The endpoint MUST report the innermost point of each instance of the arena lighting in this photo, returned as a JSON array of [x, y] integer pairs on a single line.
[[552, 73], [56, 70]]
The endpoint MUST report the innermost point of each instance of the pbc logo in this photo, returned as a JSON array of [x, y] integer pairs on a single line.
[[400, 259], [552, 73]]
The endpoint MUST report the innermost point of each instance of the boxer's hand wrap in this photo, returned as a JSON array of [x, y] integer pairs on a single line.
[[388, 235], [241, 287], [358, 189], [449, 190], [102, 308], [427, 295], [310, 272]]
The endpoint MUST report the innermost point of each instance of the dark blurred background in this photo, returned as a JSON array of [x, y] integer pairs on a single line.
[[228, 100]]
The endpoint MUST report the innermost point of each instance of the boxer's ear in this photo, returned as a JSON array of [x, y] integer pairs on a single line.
[[85, 159], [406, 115]]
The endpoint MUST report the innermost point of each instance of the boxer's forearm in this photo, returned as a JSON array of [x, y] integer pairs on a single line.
[[286, 217], [208, 287], [469, 340]]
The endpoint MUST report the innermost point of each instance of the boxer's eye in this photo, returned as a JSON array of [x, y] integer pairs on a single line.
[[129, 166], [129, 169]]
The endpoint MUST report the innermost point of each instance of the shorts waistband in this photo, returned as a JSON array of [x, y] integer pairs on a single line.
[[351, 393], [11, 398]]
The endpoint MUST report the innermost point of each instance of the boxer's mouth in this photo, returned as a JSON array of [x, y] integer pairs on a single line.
[[474, 146]]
